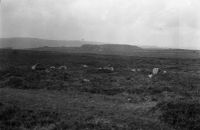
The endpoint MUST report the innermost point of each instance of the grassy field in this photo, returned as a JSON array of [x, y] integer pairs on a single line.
[[120, 100]]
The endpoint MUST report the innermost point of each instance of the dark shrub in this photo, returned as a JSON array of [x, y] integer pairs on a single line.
[[15, 118], [15, 82], [181, 114]]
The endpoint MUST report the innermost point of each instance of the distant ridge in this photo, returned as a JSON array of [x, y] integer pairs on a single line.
[[110, 49], [25, 43], [67, 46], [76, 46], [152, 47]]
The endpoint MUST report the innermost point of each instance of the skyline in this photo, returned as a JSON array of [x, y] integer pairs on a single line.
[[161, 23]]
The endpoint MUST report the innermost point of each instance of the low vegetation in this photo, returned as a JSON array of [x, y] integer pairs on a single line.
[[181, 114], [86, 98]]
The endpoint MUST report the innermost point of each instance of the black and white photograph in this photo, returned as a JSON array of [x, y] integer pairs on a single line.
[[99, 64]]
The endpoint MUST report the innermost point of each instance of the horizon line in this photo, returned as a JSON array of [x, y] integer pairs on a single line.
[[142, 46]]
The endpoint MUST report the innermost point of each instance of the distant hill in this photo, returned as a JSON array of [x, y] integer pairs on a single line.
[[151, 47], [110, 49], [94, 48], [24, 43], [127, 50], [67, 46]]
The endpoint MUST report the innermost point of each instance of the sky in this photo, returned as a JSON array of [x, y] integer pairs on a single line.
[[162, 23]]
